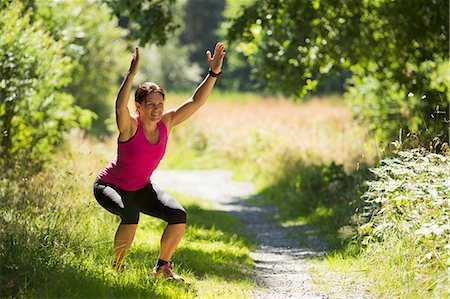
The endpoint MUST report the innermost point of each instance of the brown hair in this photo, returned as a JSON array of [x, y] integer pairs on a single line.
[[145, 89]]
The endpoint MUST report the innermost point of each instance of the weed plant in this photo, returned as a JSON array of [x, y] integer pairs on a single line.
[[407, 236]]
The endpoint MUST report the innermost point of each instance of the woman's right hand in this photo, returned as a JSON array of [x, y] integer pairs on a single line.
[[134, 62]]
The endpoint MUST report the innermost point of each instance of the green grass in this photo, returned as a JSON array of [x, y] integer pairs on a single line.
[[56, 241], [343, 277], [403, 246]]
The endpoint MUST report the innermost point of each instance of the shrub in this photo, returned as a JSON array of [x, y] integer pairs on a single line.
[[34, 113], [95, 44], [408, 228]]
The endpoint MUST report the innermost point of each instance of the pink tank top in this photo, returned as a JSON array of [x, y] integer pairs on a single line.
[[135, 161]]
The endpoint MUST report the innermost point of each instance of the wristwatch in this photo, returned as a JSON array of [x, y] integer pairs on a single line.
[[212, 74]]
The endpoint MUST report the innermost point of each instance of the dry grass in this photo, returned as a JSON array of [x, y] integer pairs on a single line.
[[320, 128]]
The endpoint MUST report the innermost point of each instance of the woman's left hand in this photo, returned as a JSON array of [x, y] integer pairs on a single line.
[[215, 62]]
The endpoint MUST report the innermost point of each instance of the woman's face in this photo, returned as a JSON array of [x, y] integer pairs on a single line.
[[152, 107]]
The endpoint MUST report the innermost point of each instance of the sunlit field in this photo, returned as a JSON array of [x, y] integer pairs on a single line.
[[254, 131]]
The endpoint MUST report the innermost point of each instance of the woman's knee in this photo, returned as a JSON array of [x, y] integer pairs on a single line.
[[130, 216], [177, 216]]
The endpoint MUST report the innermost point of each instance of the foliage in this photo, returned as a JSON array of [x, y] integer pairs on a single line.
[[95, 45], [410, 194], [409, 213], [236, 69], [404, 232], [415, 116], [393, 49], [150, 22], [201, 23], [34, 112], [169, 66]]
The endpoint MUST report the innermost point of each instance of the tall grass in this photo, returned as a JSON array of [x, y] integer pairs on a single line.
[[56, 241], [254, 133], [405, 240], [407, 236]]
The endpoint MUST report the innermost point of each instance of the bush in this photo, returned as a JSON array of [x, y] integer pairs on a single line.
[[95, 44], [408, 228], [324, 195], [393, 110], [34, 113]]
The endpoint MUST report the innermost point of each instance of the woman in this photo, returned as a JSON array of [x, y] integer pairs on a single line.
[[124, 187]]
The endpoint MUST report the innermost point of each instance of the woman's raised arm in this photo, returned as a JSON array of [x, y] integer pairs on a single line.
[[123, 117], [185, 110]]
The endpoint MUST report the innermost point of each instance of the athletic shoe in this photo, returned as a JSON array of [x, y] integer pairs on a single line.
[[165, 271]]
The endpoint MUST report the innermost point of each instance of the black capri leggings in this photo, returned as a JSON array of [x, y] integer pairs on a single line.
[[149, 200]]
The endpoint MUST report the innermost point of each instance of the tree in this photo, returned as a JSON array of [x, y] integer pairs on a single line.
[[394, 50], [168, 66], [94, 42], [201, 23], [34, 112], [149, 21]]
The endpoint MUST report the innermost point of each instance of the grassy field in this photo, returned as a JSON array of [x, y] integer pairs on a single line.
[[246, 134], [56, 241]]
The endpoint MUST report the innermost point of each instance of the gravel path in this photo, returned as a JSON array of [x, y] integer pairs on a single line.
[[280, 266]]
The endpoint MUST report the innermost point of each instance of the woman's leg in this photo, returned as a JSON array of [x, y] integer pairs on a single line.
[[117, 202], [170, 239], [155, 202], [122, 241]]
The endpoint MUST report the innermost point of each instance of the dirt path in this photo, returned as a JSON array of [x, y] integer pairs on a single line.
[[280, 266]]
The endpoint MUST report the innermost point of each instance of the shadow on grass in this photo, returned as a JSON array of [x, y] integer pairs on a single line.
[[78, 283], [214, 246], [325, 196], [229, 225], [36, 279], [198, 252], [225, 264]]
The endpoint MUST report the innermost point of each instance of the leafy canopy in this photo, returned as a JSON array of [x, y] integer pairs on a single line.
[[149, 22], [394, 50]]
